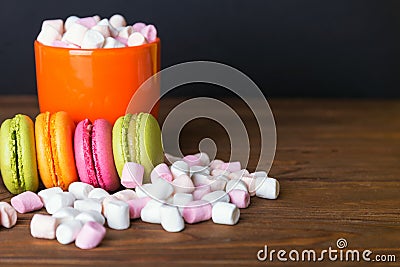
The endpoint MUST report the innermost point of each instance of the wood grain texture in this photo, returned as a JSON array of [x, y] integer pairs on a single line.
[[338, 165]]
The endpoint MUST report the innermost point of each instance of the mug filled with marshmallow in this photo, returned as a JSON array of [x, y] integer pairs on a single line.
[[91, 67]]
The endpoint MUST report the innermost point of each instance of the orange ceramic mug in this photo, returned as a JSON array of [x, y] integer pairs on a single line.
[[93, 83]]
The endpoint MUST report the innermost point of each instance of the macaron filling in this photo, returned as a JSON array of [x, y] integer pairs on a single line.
[[127, 139], [16, 159], [88, 153]]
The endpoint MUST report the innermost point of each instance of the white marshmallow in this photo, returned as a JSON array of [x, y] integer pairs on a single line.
[[98, 193], [204, 158], [216, 196], [112, 43], [58, 201], [225, 213], [160, 190], [111, 28], [118, 215], [88, 204], [218, 172], [46, 194], [96, 18], [199, 169], [125, 195], [238, 174], [80, 190], [69, 21], [235, 184], [75, 34], [171, 219], [141, 191], [151, 212], [125, 32], [67, 231], [181, 199], [92, 39], [259, 174], [201, 179], [267, 187], [183, 184], [103, 29], [90, 216], [57, 24], [219, 183], [136, 39], [48, 35], [66, 214], [117, 20]]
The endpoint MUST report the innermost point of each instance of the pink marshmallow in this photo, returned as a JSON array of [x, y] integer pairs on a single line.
[[161, 171], [138, 26], [197, 211], [43, 226], [183, 184], [192, 160], [136, 205], [90, 236], [215, 163], [201, 191], [149, 32], [26, 202], [88, 22], [230, 166], [57, 43], [240, 198], [122, 40], [8, 215], [132, 175]]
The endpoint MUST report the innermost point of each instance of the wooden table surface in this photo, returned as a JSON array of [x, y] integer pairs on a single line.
[[338, 165]]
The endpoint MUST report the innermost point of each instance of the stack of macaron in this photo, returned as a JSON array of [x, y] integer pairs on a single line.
[[60, 152]]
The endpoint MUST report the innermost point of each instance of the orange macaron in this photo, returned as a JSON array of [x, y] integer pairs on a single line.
[[54, 147]]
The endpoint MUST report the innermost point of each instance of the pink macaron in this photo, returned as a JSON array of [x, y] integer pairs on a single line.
[[94, 156]]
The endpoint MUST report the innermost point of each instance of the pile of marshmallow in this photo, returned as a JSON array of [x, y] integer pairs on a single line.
[[192, 189], [94, 32]]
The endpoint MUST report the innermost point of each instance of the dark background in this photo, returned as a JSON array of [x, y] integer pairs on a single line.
[[289, 48]]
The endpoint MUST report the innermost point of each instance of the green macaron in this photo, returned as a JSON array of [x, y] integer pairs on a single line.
[[137, 138], [18, 155]]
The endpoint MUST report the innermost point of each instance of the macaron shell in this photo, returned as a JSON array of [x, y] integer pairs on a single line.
[[18, 155], [150, 152], [43, 150], [62, 130], [106, 173], [117, 145], [83, 153]]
